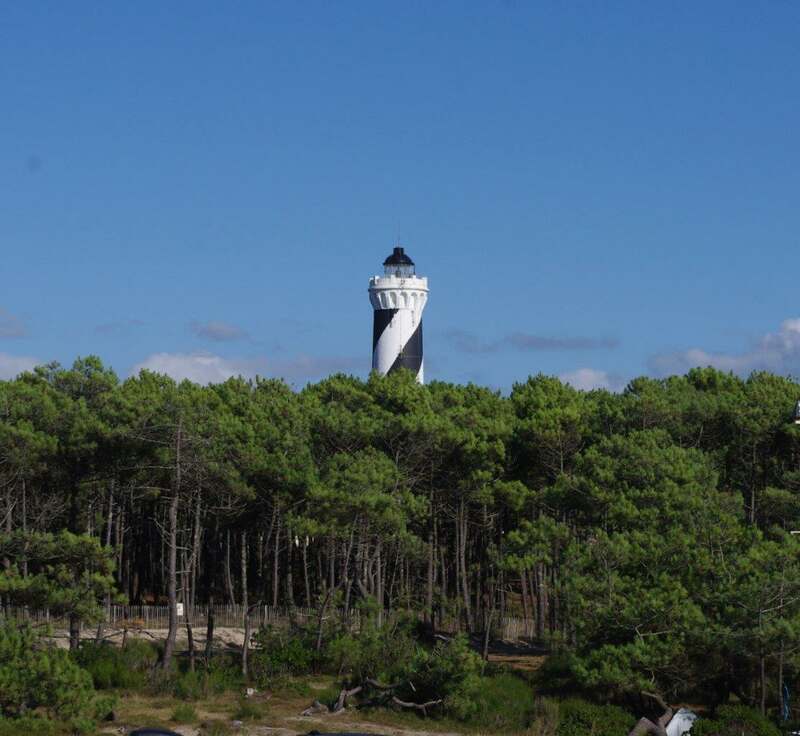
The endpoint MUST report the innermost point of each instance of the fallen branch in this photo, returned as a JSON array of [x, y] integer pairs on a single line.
[[315, 708], [341, 701], [386, 690], [646, 727], [417, 706]]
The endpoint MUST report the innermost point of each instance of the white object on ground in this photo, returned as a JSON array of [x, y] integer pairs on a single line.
[[681, 722]]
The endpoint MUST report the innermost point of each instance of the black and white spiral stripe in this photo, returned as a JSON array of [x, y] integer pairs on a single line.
[[397, 341]]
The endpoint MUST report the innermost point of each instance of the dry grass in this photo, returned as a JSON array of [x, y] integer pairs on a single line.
[[281, 717], [138, 710], [522, 662]]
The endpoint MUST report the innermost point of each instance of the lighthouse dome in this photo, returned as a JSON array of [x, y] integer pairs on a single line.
[[398, 264], [399, 257]]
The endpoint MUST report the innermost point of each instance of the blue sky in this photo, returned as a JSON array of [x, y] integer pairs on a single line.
[[595, 190]]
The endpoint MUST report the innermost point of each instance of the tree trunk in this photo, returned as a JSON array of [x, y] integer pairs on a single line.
[[331, 563], [276, 565], [8, 521], [209, 630], [119, 532], [190, 641], [246, 642], [379, 584], [24, 500], [305, 573], [444, 587], [172, 530], [523, 579], [321, 619], [194, 560], [109, 526], [487, 634], [541, 601], [228, 576], [462, 558], [431, 569], [74, 632], [289, 565]]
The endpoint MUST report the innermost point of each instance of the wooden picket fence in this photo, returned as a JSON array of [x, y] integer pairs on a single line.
[[154, 618]]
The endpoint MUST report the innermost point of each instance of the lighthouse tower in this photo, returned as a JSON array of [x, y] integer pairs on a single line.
[[398, 298]]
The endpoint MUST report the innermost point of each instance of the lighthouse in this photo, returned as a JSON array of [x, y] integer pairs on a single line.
[[398, 298]]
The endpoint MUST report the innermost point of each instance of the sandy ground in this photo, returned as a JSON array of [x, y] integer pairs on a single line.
[[223, 636]]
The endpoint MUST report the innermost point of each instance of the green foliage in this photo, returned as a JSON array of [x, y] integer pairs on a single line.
[[735, 720], [184, 713], [189, 685], [33, 674], [506, 703], [647, 532], [112, 667], [69, 574], [556, 676], [384, 654], [328, 695], [581, 718], [452, 672], [223, 674], [247, 710], [29, 726], [545, 718], [279, 654]]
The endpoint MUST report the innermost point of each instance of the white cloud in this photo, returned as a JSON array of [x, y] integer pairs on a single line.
[[778, 352], [588, 379], [201, 368], [206, 368], [13, 365]]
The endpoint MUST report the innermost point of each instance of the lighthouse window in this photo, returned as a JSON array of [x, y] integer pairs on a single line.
[[399, 271]]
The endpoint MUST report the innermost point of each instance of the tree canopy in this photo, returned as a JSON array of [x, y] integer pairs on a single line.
[[646, 535]]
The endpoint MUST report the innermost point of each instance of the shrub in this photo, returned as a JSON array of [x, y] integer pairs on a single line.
[[580, 718], [223, 674], [279, 654], [161, 682], [735, 720], [34, 674], [114, 667], [184, 713], [556, 676], [189, 685], [504, 703], [451, 672], [247, 710], [546, 718], [385, 653]]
